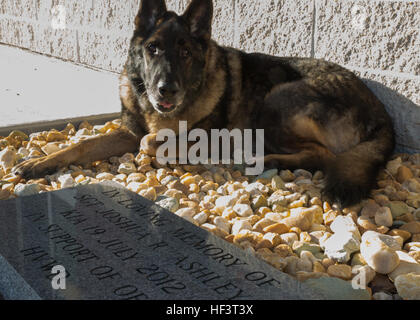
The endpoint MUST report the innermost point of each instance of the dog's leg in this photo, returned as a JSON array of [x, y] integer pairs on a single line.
[[150, 145], [100, 147], [312, 155]]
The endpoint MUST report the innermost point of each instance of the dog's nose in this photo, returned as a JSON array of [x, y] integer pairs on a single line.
[[168, 88]]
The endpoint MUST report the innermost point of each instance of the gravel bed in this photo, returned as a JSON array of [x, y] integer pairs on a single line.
[[279, 216]]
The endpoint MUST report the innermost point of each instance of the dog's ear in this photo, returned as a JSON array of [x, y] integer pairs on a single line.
[[149, 12], [199, 15]]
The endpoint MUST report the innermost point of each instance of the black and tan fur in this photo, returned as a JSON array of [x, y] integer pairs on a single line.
[[316, 114]]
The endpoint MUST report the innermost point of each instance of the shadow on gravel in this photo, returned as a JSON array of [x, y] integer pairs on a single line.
[[404, 113]]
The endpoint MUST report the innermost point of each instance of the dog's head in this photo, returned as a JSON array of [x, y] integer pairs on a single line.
[[167, 53]]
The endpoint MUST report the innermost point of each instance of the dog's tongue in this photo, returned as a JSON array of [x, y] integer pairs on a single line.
[[166, 105]]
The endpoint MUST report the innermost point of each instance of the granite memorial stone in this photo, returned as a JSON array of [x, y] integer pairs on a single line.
[[105, 242]]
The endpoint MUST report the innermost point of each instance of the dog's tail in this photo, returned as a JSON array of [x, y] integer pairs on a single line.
[[352, 174]]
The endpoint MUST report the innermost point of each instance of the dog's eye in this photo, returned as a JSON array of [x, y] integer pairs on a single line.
[[185, 53], [152, 47]]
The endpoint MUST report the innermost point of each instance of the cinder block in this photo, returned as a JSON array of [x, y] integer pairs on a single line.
[[104, 51], [96, 14], [23, 8], [76, 11], [17, 33], [118, 16], [44, 11], [61, 43], [223, 28], [369, 34], [401, 97], [39, 38], [177, 6], [278, 27], [111, 15], [2, 7]]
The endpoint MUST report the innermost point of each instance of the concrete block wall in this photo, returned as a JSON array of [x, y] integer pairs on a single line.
[[377, 39]]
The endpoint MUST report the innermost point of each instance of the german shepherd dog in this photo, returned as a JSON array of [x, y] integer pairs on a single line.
[[316, 114]]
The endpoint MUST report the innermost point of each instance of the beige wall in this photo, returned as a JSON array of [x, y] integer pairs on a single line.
[[378, 39]]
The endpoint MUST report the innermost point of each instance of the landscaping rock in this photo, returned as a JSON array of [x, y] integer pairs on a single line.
[[408, 286], [379, 251]]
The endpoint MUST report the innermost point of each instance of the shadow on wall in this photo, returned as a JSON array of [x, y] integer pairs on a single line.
[[404, 113]]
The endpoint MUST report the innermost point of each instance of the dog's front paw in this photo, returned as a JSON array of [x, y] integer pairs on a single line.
[[34, 168], [149, 145]]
